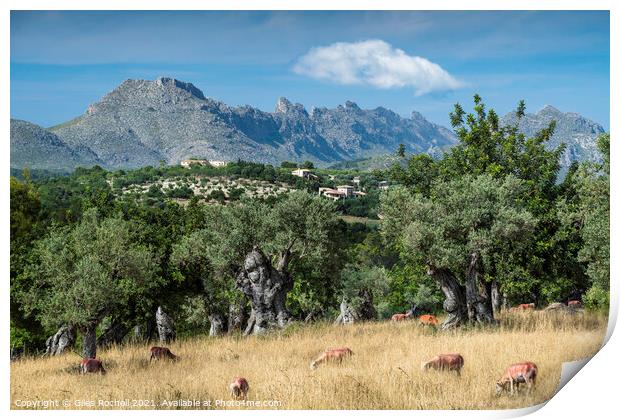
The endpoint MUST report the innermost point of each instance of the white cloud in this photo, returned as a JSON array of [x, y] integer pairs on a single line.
[[375, 63]]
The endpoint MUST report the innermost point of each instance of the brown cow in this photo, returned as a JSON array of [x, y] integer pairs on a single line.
[[526, 306], [159, 353], [239, 387], [91, 366], [429, 320], [452, 361], [519, 373], [332, 355], [400, 317], [574, 304]]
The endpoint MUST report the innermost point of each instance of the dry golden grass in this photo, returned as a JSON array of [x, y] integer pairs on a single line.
[[384, 372]]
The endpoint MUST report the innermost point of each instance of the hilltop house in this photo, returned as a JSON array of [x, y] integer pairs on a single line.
[[384, 185], [303, 173], [186, 163], [341, 191], [218, 163], [332, 193]]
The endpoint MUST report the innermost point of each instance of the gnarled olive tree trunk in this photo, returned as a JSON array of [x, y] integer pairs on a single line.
[[496, 298], [366, 309], [165, 326], [348, 315], [478, 293], [455, 303], [61, 341], [218, 324], [89, 341], [266, 286]]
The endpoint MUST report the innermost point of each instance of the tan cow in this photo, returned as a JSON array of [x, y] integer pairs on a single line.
[[239, 387], [527, 306], [162, 353], [400, 317], [91, 366], [451, 362], [519, 373], [332, 355]]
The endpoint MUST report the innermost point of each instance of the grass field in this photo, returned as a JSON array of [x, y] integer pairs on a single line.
[[384, 372]]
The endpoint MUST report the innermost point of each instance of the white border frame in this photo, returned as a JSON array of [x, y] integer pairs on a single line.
[[592, 395]]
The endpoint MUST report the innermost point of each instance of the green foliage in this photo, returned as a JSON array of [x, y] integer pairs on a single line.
[[356, 279], [25, 208], [85, 273], [597, 298], [470, 214]]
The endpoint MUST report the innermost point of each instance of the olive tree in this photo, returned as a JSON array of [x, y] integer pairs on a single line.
[[463, 226], [85, 273], [256, 245]]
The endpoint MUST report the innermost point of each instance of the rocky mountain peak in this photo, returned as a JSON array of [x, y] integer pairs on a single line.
[[174, 83], [549, 110], [284, 106], [351, 105]]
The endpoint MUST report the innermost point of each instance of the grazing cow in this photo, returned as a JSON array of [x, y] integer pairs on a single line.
[[429, 320], [574, 304], [239, 387], [164, 353], [332, 355], [400, 317], [452, 361], [526, 306], [519, 373], [91, 366]]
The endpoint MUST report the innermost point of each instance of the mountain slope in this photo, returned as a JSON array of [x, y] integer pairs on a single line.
[[142, 122], [579, 134], [36, 148]]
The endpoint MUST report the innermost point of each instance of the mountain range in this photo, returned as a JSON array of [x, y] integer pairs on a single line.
[[144, 122]]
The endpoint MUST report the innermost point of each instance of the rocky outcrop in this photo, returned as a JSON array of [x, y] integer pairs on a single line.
[[61, 341], [165, 326]]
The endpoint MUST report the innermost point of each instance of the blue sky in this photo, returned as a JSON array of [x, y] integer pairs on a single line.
[[423, 61]]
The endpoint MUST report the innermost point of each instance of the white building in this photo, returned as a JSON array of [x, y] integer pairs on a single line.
[[332, 193], [384, 185], [186, 163], [347, 189], [303, 173], [218, 163]]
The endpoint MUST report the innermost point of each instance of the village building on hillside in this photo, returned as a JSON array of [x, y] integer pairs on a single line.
[[186, 163], [303, 173], [340, 192], [346, 189], [218, 163], [332, 193], [384, 185]]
